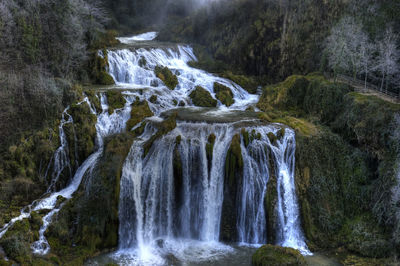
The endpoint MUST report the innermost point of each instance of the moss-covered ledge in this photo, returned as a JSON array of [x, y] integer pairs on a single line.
[[269, 255]]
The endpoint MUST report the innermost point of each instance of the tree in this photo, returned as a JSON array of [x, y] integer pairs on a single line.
[[388, 58], [349, 48]]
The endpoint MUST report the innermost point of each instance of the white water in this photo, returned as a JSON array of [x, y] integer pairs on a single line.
[[129, 71], [60, 159], [149, 212], [148, 36], [290, 233], [153, 223], [106, 125]]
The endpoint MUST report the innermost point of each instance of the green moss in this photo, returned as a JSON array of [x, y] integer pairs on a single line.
[[210, 148], [272, 137], [139, 111], [224, 94], [247, 83], [142, 62], [246, 137], [166, 75], [363, 237], [271, 201], [115, 100], [97, 68], [281, 133], [16, 242], [153, 99], [164, 127], [84, 128], [234, 160], [105, 79], [275, 255], [201, 97], [94, 100]]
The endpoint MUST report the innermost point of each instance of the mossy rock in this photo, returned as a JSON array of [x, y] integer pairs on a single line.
[[165, 74], [366, 239], [247, 83], [202, 97], [94, 100], [246, 137], [139, 111], [115, 100], [224, 94], [153, 99], [275, 255], [98, 66], [84, 128], [272, 137], [164, 127], [105, 79]]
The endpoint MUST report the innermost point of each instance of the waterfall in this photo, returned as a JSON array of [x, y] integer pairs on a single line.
[[106, 125], [134, 69], [251, 214], [172, 187], [252, 220], [159, 207], [60, 159]]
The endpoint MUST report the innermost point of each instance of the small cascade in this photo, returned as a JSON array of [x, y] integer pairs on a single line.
[[106, 125], [252, 221], [58, 163], [135, 70], [290, 233], [60, 159]]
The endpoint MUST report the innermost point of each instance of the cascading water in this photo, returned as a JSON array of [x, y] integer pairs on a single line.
[[106, 124], [163, 213], [172, 197], [152, 217], [60, 159], [290, 233], [135, 70], [252, 220]]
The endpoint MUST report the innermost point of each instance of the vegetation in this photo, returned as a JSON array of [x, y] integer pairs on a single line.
[[202, 97], [165, 74], [344, 165], [139, 111], [224, 94], [274, 255]]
